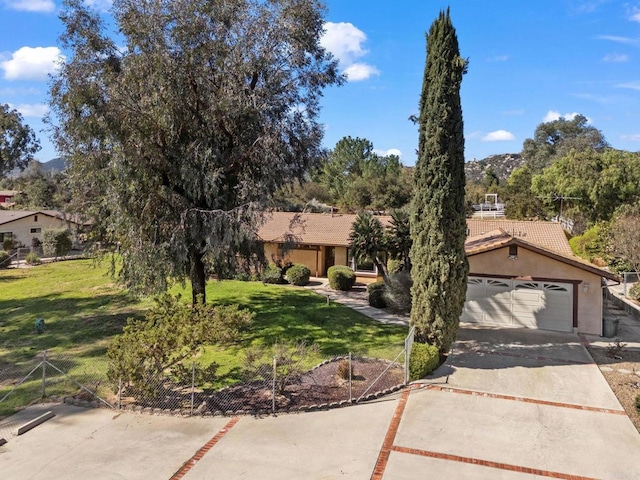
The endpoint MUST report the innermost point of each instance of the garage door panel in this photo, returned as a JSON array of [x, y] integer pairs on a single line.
[[546, 305]]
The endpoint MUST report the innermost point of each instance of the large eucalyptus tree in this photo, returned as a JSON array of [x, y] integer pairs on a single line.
[[180, 126]]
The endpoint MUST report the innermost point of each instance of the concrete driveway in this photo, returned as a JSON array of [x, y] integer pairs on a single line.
[[508, 404]]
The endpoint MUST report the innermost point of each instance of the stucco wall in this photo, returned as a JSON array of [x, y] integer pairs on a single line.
[[531, 264], [21, 228], [310, 258]]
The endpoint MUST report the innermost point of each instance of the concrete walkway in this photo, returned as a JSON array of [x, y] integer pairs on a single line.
[[357, 299]]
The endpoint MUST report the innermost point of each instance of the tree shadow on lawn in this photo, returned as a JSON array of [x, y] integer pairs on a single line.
[[336, 328], [71, 323]]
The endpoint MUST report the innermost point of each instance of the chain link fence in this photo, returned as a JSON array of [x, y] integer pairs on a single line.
[[278, 384], [52, 377]]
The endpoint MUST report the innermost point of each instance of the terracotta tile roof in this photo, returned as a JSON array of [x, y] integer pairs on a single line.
[[548, 235], [327, 229], [309, 228], [499, 239]]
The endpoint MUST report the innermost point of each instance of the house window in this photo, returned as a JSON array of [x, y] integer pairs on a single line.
[[365, 266], [35, 218], [513, 250], [36, 230], [5, 236]]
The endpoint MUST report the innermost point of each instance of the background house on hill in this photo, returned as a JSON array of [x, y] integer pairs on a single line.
[[6, 198], [22, 226]]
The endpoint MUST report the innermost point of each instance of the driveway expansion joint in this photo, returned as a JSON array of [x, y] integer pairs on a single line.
[[548, 403]]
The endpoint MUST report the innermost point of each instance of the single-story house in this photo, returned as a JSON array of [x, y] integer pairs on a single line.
[[520, 273], [22, 226], [316, 240]]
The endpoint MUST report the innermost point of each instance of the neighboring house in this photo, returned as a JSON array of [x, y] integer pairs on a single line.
[[23, 226], [6, 198], [520, 273]]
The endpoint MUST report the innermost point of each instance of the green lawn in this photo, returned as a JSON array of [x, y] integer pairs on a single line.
[[83, 309]]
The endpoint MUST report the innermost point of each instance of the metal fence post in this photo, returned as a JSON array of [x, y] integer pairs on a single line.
[[44, 373], [120, 394], [350, 377], [193, 383], [273, 394]]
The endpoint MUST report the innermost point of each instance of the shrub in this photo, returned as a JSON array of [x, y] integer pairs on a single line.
[[4, 259], [341, 277], [177, 332], [32, 258], [424, 359], [345, 369], [398, 292], [272, 274], [634, 292], [56, 242], [242, 277], [638, 403], [8, 244], [376, 294], [298, 275]]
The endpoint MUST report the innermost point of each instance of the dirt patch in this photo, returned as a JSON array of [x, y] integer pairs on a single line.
[[622, 375], [320, 387]]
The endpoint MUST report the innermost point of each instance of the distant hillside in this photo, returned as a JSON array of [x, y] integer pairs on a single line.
[[502, 165], [54, 165]]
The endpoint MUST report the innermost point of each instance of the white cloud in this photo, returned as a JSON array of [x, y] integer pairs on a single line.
[[630, 85], [34, 110], [499, 58], [29, 63], [552, 115], [616, 58], [618, 39], [633, 137], [634, 14], [498, 136], [386, 153], [345, 41], [44, 6], [103, 5], [360, 71]]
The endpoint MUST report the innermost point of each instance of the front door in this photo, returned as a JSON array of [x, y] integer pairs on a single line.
[[329, 258]]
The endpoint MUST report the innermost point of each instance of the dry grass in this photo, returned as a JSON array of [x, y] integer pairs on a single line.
[[626, 386]]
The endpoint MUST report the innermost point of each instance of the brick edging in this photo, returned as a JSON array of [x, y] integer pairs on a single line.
[[488, 463], [547, 403], [189, 464], [387, 444]]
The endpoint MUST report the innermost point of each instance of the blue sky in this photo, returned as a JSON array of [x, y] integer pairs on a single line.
[[529, 62]]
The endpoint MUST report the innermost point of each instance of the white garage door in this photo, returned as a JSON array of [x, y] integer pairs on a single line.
[[546, 305]]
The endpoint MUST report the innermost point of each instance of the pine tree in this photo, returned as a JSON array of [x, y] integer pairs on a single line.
[[438, 224]]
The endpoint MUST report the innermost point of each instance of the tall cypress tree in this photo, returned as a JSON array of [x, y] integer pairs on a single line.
[[438, 221]]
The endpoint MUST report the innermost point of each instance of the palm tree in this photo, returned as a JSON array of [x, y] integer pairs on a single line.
[[367, 241]]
